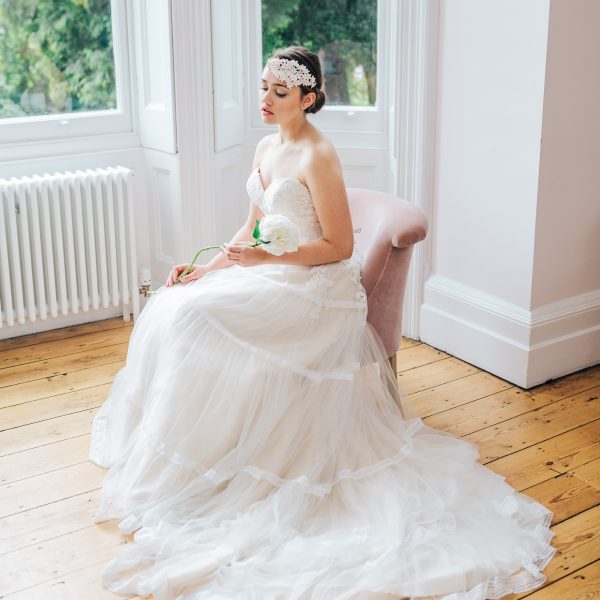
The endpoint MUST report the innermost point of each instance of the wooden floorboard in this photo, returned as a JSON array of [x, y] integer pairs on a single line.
[[545, 441]]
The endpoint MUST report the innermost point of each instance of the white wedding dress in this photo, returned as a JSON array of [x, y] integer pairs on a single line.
[[257, 451]]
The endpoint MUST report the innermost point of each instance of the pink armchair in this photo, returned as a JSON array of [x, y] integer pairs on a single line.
[[389, 228]]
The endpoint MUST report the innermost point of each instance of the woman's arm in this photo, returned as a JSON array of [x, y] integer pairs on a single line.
[[243, 235], [220, 261], [328, 192], [318, 252]]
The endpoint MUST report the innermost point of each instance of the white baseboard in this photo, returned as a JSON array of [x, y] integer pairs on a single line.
[[524, 347], [59, 322]]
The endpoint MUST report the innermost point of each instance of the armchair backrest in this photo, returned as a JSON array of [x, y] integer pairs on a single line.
[[389, 229]]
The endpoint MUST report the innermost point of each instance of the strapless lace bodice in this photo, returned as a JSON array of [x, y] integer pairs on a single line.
[[288, 197]]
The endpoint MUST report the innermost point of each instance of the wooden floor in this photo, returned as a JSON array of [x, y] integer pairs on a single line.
[[545, 441]]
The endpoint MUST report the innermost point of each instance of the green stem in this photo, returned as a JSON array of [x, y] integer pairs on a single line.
[[189, 267]]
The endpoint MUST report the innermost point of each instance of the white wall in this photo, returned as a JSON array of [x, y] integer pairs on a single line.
[[567, 239], [501, 151], [489, 129]]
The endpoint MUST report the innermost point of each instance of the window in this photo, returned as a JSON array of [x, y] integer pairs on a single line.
[[342, 32], [63, 66], [351, 38], [55, 57]]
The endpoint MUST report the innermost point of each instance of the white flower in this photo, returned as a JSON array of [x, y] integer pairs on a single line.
[[278, 234]]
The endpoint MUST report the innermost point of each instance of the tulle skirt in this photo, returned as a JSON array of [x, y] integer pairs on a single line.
[[259, 448]]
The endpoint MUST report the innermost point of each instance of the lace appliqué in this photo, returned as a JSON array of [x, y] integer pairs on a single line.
[[320, 282], [354, 263], [318, 285]]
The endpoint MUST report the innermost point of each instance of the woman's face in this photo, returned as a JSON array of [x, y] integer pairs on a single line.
[[278, 103]]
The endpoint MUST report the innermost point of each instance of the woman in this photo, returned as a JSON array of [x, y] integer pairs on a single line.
[[255, 444]]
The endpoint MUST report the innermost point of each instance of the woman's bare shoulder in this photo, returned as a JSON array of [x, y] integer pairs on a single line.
[[262, 147], [321, 152]]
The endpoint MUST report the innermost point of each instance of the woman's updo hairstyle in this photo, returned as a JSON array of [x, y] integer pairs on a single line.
[[311, 61]]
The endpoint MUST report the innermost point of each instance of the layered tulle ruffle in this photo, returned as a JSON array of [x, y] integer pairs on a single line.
[[259, 448]]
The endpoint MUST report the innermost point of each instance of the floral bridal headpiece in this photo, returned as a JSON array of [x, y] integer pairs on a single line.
[[291, 72]]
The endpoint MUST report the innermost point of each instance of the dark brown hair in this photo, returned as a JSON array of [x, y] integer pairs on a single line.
[[311, 61]]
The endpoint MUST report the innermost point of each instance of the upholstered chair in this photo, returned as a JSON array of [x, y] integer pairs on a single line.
[[389, 227]]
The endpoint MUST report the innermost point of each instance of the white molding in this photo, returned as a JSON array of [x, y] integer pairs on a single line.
[[524, 347], [16, 154], [565, 308], [40, 325], [413, 120]]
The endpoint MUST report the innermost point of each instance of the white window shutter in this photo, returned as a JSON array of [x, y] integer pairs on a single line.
[[154, 51], [228, 76]]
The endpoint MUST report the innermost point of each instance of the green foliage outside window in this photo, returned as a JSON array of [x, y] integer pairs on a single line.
[[56, 56], [342, 32]]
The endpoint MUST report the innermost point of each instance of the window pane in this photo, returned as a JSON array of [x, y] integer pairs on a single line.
[[56, 56], [342, 32]]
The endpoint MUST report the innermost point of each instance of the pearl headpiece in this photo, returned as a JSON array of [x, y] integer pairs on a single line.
[[291, 71]]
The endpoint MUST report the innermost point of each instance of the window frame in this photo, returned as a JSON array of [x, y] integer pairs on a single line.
[[366, 125], [64, 126]]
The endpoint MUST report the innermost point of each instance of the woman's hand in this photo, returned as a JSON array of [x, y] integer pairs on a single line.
[[242, 254], [195, 273]]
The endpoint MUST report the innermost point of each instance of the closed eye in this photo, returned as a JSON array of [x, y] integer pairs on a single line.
[[276, 93]]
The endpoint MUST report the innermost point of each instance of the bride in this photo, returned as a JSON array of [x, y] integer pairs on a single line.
[[256, 441]]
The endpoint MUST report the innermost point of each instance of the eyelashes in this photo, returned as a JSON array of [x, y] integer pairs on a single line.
[[276, 93]]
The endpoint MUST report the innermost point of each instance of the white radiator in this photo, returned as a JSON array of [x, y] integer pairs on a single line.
[[67, 244]]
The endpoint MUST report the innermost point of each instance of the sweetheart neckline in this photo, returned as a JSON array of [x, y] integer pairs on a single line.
[[265, 190]]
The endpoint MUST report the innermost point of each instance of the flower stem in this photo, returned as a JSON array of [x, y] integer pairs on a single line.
[[189, 267]]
